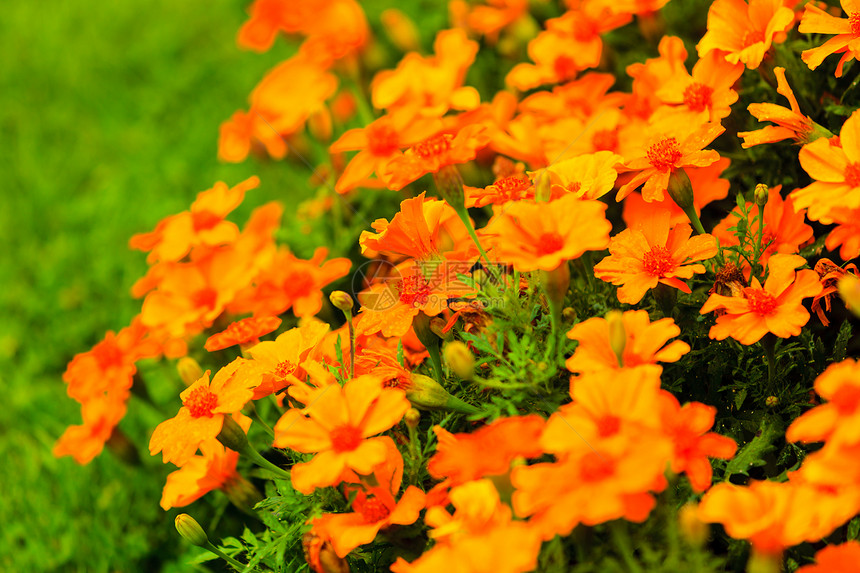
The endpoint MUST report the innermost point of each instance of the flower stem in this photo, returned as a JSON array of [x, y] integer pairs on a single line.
[[236, 564], [618, 532]]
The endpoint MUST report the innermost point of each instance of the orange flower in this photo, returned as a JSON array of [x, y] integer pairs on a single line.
[[430, 86], [203, 225], [588, 176], [491, 18], [790, 123], [834, 164], [847, 30], [485, 452], [643, 343], [653, 253], [777, 307], [830, 274], [379, 142], [215, 469], [688, 428], [514, 187], [374, 507], [335, 425], [784, 228], [423, 229], [479, 537], [534, 236], [101, 414], [434, 153], [245, 332], [704, 96], [278, 362], [650, 77], [771, 515], [844, 558], [838, 420], [201, 416], [668, 148], [744, 32], [846, 233]]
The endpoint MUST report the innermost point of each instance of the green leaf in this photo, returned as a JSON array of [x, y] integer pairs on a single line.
[[752, 454], [740, 396]]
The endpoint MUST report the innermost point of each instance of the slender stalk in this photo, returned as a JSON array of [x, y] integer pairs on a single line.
[[618, 532], [236, 564]]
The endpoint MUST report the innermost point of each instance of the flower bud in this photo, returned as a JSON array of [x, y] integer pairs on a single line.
[[232, 436], [693, 529], [761, 194], [400, 30], [543, 186], [617, 334], [555, 284], [341, 300], [764, 562], [771, 401], [437, 327], [681, 189], [242, 493], [189, 370], [189, 529], [849, 290], [319, 124], [459, 359], [427, 394], [411, 418], [449, 183]]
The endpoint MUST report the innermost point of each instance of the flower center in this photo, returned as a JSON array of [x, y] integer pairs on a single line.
[[658, 261], [205, 298], [564, 67], [345, 438], [846, 399], [433, 147], [374, 510], [549, 243], [752, 37], [382, 140], [605, 140], [414, 290], [854, 20], [761, 302], [608, 426], [203, 220], [697, 96], [201, 402], [513, 185], [401, 381], [108, 354], [664, 154], [595, 468], [284, 369], [852, 174]]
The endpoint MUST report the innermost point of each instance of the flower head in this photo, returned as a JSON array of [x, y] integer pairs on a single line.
[[847, 30]]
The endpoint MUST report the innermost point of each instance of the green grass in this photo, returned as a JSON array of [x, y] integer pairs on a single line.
[[109, 117]]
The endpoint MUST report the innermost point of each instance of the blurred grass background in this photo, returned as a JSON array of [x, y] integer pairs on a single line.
[[109, 117]]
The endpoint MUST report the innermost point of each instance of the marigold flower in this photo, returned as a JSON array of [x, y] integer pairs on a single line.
[[644, 343], [704, 96], [843, 558], [204, 405], [515, 187], [374, 508], [488, 451], [784, 228], [434, 153], [101, 414], [378, 143], [847, 30], [777, 307], [744, 31], [837, 420], [534, 236], [668, 149], [790, 123], [846, 233], [491, 18], [588, 176], [479, 537], [335, 425], [278, 362], [653, 253], [243, 332], [650, 76], [830, 274], [688, 427]]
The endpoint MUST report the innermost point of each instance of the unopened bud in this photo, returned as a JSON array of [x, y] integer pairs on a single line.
[[449, 183], [437, 327], [232, 436], [569, 313], [617, 334], [681, 189], [341, 300], [693, 529], [189, 529], [427, 394], [242, 493], [764, 562], [400, 30], [555, 284], [319, 124], [189, 370], [411, 418], [761, 194], [771, 401], [459, 359]]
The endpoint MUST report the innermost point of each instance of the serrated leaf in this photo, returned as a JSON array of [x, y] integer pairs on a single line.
[[752, 454], [740, 396], [854, 528], [841, 345]]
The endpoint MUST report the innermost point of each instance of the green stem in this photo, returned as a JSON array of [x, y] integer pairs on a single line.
[[258, 459], [348, 314], [768, 343], [236, 564], [618, 532]]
